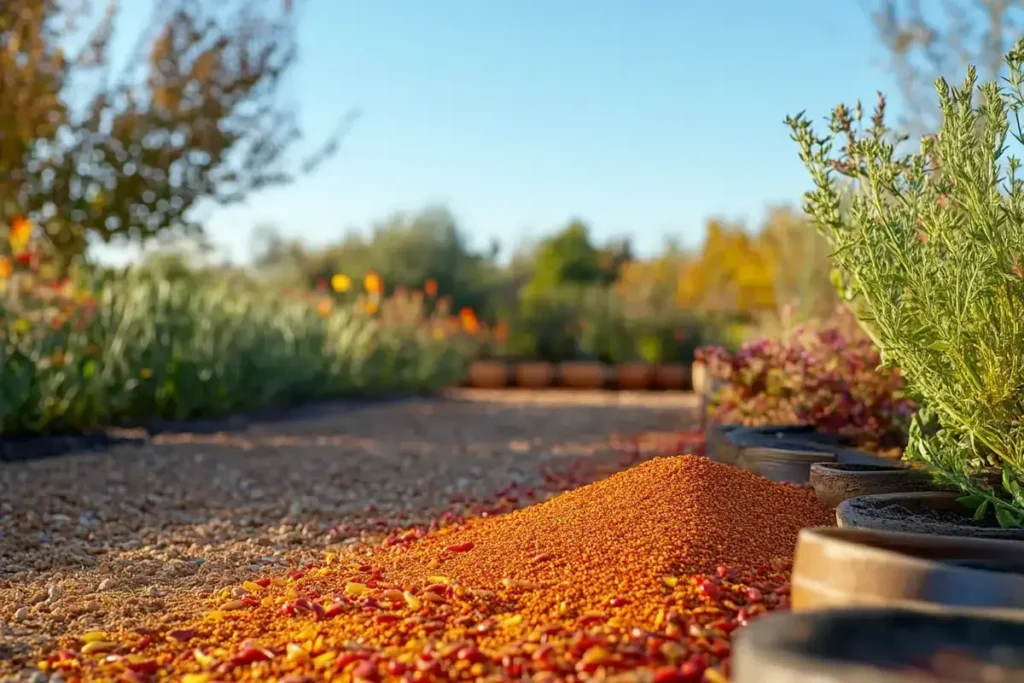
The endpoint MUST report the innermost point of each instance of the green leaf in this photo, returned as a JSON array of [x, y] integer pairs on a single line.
[[972, 501], [979, 514], [1007, 518]]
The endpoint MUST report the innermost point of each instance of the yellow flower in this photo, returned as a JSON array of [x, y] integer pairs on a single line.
[[22, 325], [341, 283], [145, 373], [21, 233], [5, 268]]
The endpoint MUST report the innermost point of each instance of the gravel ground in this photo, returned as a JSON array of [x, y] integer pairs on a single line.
[[138, 533]]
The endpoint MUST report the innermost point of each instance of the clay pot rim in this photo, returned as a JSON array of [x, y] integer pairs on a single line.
[[864, 506], [862, 470], [852, 539], [762, 451], [775, 639]]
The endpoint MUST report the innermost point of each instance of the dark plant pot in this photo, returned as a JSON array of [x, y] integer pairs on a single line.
[[634, 376], [724, 441], [877, 646], [785, 462], [488, 374], [535, 375], [848, 568], [671, 376], [835, 482], [582, 374], [933, 512]]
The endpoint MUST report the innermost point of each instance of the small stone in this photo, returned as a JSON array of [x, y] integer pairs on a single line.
[[21, 614], [55, 593], [106, 584]]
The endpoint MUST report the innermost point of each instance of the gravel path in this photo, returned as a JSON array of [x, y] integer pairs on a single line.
[[91, 540]]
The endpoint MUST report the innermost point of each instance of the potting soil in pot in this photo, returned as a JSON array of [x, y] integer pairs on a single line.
[[652, 568]]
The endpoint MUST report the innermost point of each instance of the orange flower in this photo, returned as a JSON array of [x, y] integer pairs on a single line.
[[372, 283], [5, 268], [323, 307], [370, 307], [21, 233], [430, 287], [341, 283], [468, 319]]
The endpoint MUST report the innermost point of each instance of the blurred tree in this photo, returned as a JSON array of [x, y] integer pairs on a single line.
[[732, 274], [925, 40], [407, 250], [193, 116], [802, 283], [570, 258]]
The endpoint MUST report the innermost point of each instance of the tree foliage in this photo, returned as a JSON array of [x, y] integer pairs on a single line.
[[195, 115], [928, 40]]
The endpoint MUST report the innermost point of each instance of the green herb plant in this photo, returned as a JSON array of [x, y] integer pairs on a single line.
[[927, 249]]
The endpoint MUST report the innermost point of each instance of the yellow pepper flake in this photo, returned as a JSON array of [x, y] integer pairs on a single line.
[[439, 579], [412, 601], [252, 587], [353, 588], [670, 581], [94, 646], [325, 660], [93, 636], [196, 678], [203, 658], [234, 605]]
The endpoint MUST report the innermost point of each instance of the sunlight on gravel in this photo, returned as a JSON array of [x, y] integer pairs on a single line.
[[134, 534]]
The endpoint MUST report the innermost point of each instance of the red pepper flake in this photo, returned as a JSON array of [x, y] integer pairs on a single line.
[[461, 547]]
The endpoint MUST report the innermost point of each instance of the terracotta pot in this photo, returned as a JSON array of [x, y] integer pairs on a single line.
[[535, 375], [932, 512], [488, 374], [672, 376], [582, 374], [634, 376], [877, 646], [835, 482], [785, 462], [844, 568]]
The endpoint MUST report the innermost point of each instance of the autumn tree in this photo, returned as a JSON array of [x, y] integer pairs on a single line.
[[195, 116], [926, 40]]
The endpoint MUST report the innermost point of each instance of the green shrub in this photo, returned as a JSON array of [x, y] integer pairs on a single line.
[[142, 347], [928, 248]]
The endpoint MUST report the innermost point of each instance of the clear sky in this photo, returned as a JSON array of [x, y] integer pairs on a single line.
[[643, 118]]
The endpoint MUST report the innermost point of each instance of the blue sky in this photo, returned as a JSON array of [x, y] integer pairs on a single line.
[[643, 118]]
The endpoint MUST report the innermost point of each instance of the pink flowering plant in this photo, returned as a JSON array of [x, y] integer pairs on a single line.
[[821, 376]]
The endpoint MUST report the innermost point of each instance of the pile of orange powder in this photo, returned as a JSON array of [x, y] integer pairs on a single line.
[[641, 576]]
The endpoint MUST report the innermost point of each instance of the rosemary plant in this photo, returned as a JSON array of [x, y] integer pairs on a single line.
[[927, 250]]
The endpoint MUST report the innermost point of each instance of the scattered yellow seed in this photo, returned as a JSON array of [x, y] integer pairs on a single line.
[[439, 579], [670, 581], [353, 588], [196, 678], [325, 660], [514, 620], [203, 658], [94, 646], [296, 653], [412, 601]]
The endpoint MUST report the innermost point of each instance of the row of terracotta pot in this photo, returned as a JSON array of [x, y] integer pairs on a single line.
[[871, 601], [489, 374]]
